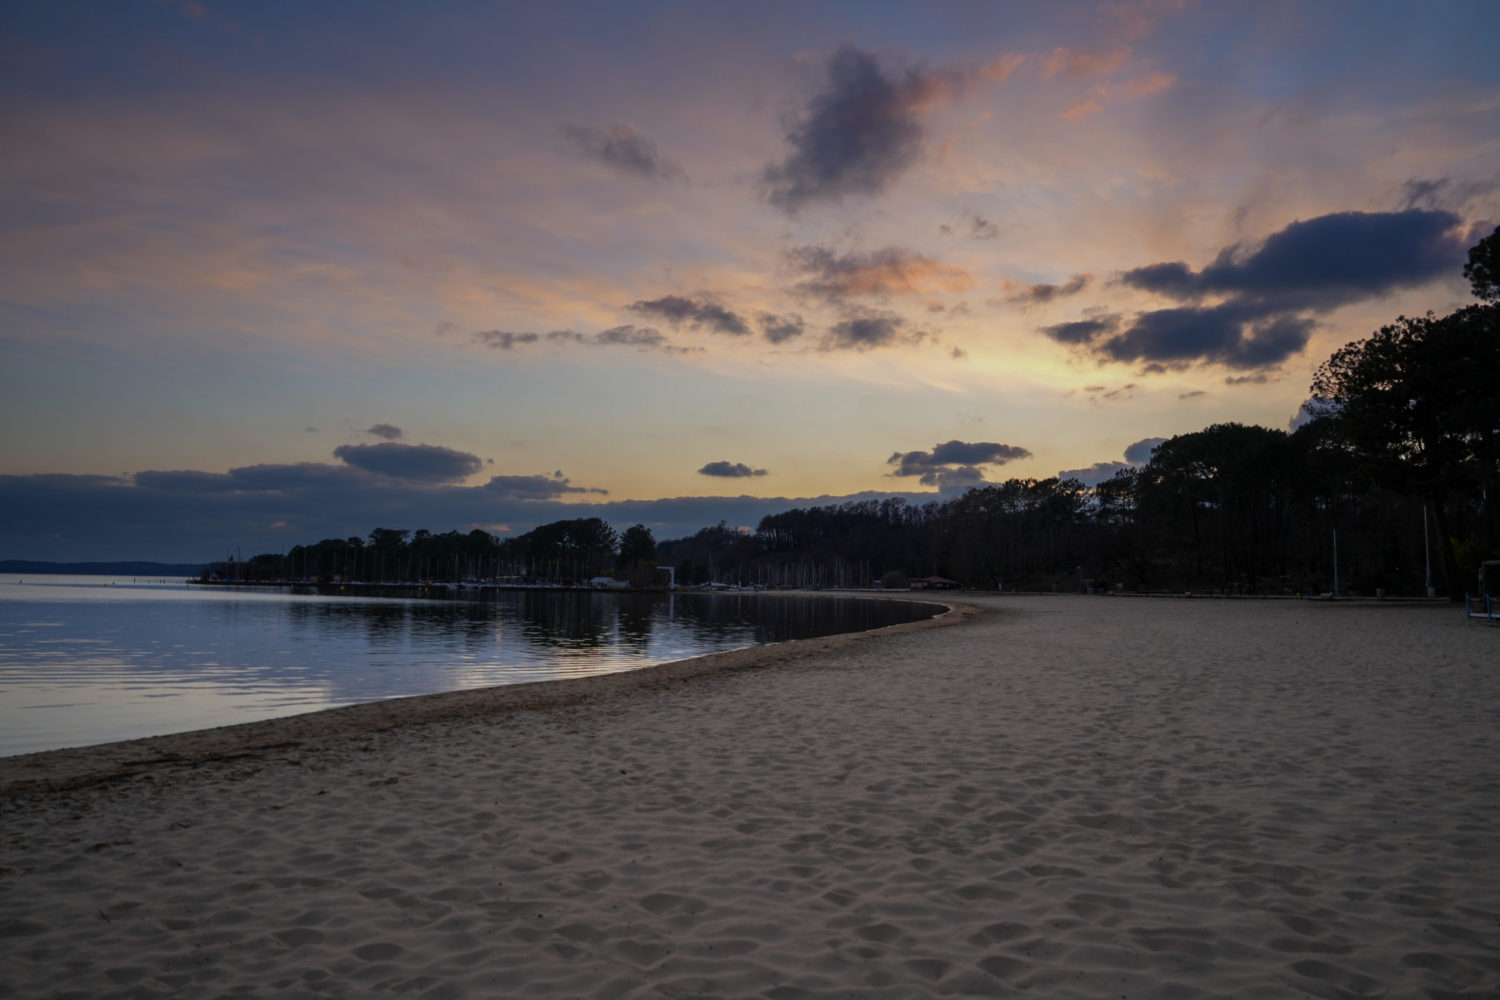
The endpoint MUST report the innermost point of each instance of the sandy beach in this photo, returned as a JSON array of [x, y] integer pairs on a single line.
[[1040, 796]]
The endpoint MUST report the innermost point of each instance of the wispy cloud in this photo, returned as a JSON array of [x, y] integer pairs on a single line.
[[505, 340], [623, 149], [1042, 293], [970, 225], [1106, 93], [889, 271], [1082, 65]]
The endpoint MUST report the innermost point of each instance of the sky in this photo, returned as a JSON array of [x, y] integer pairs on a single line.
[[272, 272]]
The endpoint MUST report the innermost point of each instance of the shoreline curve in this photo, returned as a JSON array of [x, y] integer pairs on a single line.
[[68, 768]]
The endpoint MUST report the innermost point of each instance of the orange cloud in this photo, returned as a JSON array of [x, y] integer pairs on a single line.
[[1113, 93], [1082, 65], [1000, 70], [909, 276], [892, 271]]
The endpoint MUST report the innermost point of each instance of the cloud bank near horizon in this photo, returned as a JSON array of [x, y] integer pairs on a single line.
[[200, 516]]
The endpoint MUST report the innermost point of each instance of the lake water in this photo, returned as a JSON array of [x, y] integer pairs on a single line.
[[95, 659]]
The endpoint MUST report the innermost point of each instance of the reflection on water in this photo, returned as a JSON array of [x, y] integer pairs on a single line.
[[89, 660]]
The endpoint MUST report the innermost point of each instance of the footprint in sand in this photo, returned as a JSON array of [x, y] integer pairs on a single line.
[[1460, 974], [379, 951], [642, 954], [998, 934], [928, 968], [296, 937], [880, 933], [1346, 981], [1004, 967]]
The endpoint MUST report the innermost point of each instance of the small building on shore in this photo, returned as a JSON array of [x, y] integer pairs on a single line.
[[933, 583]]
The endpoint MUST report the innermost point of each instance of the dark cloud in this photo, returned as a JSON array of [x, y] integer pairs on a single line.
[[185, 481], [956, 479], [954, 463], [890, 271], [388, 431], [426, 463], [1040, 294], [779, 329], [1136, 455], [1098, 392], [504, 340], [73, 518], [868, 330], [1259, 378], [257, 478], [1191, 394], [1095, 474], [629, 336], [1322, 263], [678, 310], [730, 470], [632, 336], [1140, 452], [856, 136], [1225, 334], [534, 487], [1265, 293], [299, 476], [644, 338], [1174, 280], [1083, 331], [622, 148]]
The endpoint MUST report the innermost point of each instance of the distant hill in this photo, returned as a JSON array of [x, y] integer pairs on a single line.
[[9, 566]]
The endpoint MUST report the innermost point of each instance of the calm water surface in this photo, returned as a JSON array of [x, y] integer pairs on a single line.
[[94, 659]]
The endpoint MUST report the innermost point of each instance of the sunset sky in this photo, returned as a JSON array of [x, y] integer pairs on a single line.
[[278, 271]]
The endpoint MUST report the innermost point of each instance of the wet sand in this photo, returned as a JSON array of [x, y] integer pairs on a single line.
[[1059, 796]]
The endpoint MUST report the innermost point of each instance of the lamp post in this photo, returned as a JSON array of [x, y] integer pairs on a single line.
[[1335, 562], [1427, 552]]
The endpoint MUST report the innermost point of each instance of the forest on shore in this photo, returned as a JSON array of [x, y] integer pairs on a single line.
[[1396, 470]]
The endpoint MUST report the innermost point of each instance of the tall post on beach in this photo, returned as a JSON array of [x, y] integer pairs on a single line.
[[1427, 551], [1335, 562]]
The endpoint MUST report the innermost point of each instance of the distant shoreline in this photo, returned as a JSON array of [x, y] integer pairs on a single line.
[[119, 568]]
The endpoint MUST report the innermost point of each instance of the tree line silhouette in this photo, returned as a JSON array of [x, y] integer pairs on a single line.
[[1397, 470]]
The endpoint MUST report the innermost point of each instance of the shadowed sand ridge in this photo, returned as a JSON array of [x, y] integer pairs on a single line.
[[1062, 797]]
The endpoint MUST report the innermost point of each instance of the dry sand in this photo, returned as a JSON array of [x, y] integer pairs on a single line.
[[1057, 797]]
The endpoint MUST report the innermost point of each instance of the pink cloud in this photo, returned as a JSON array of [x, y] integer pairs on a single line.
[[1114, 93], [1082, 65], [1000, 70]]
